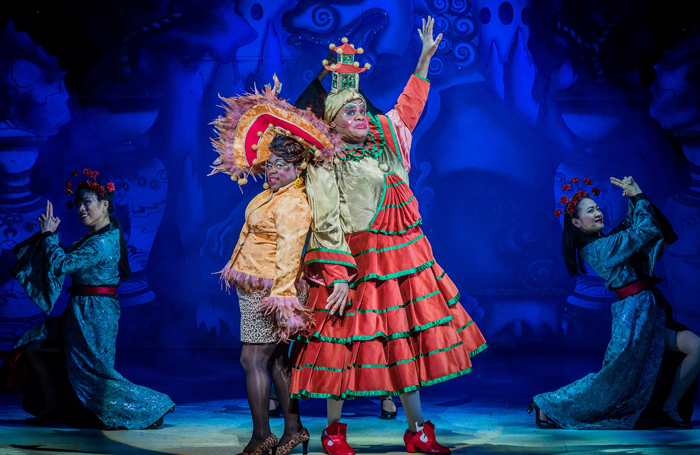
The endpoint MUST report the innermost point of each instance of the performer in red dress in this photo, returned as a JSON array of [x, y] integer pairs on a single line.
[[387, 318]]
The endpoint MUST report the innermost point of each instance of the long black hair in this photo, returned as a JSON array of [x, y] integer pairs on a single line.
[[570, 247]]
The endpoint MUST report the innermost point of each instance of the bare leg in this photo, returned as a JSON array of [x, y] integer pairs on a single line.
[[333, 410], [255, 359], [414, 411], [689, 344], [281, 368]]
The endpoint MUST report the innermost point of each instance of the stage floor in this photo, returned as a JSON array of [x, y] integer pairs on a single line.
[[481, 413]]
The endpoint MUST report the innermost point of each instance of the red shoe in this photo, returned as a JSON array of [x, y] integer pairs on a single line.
[[334, 440], [424, 440]]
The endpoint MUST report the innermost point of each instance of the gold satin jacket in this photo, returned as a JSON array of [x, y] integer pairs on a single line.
[[269, 248]]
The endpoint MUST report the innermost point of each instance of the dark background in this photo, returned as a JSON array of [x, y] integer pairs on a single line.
[[525, 95]]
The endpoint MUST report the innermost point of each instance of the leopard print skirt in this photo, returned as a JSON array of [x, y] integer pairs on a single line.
[[255, 328]]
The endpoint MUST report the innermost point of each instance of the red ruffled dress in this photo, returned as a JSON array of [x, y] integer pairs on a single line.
[[403, 328]]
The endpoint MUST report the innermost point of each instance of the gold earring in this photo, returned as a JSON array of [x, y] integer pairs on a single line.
[[299, 182]]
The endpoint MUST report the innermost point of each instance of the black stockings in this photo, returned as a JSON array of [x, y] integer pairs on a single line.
[[259, 362]]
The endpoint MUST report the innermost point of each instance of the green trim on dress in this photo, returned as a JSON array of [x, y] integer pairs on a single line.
[[391, 276], [330, 261], [389, 248], [478, 350], [396, 206], [393, 336], [412, 359], [374, 393], [408, 228], [453, 300], [393, 137], [328, 250], [465, 326]]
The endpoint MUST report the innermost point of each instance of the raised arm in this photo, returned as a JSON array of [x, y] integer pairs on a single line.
[[430, 45], [411, 102], [42, 265], [631, 189], [618, 247]]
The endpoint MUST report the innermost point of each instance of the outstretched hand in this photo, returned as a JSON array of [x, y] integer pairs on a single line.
[[628, 185], [430, 45], [47, 222]]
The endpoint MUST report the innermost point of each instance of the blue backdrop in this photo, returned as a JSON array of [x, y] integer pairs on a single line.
[[525, 95]]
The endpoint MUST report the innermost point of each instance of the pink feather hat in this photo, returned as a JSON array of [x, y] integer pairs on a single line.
[[251, 122]]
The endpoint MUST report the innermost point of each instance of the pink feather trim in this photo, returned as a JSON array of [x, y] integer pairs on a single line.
[[291, 316], [225, 127], [248, 283]]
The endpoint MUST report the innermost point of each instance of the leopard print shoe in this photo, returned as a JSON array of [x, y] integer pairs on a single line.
[[269, 445], [301, 438]]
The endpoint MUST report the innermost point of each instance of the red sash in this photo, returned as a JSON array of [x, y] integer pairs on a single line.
[[632, 289], [79, 289]]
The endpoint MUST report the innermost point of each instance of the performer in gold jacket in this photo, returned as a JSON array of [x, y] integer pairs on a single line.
[[261, 134]]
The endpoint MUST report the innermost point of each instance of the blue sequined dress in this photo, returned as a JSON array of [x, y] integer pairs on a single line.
[[616, 396], [86, 332]]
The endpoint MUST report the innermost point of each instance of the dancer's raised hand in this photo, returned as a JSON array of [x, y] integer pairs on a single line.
[[430, 45], [47, 222], [628, 185]]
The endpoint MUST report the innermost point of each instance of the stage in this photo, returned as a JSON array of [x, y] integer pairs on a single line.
[[481, 413]]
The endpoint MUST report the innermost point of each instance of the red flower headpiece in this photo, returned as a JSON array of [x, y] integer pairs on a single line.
[[92, 185], [570, 203]]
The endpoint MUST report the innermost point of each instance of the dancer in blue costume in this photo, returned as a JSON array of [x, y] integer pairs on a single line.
[[631, 390], [64, 368]]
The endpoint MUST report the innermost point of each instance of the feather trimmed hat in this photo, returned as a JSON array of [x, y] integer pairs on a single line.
[[251, 122]]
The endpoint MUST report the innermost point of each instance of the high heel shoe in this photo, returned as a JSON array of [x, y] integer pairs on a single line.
[[546, 424], [667, 420], [269, 445], [424, 440], [335, 440], [388, 415], [301, 438]]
